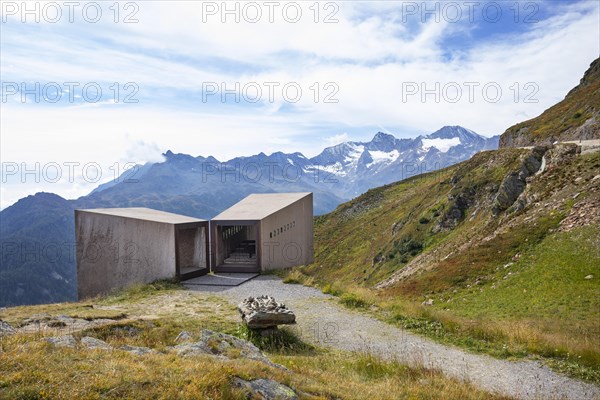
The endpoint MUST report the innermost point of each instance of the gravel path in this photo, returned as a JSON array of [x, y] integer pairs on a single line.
[[340, 328]]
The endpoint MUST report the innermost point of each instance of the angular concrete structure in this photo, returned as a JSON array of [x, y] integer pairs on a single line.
[[263, 232], [117, 247]]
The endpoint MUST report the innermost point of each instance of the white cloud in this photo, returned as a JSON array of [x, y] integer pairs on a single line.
[[336, 139], [141, 152]]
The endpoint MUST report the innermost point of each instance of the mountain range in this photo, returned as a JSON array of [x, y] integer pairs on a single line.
[[38, 263], [337, 174]]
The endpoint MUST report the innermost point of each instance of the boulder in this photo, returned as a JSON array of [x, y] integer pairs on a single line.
[[264, 312], [6, 329], [265, 389], [223, 346], [36, 319], [184, 336], [62, 341], [515, 182], [95, 344], [140, 351]]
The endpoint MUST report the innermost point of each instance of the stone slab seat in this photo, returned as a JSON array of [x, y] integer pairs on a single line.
[[264, 312]]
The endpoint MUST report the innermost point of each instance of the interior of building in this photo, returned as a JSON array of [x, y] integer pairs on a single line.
[[237, 248]]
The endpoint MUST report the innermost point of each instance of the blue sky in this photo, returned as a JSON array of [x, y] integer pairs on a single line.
[[388, 66]]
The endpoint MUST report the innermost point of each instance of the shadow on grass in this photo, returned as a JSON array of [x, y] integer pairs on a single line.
[[281, 341]]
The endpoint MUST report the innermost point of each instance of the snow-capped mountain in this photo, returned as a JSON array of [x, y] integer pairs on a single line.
[[385, 159]]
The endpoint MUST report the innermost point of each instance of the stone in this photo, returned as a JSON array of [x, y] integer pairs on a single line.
[[222, 345], [458, 205], [589, 277], [515, 182], [6, 329], [428, 302], [264, 312], [37, 319], [194, 349], [265, 389], [184, 336], [64, 319], [62, 341], [140, 351], [95, 344]]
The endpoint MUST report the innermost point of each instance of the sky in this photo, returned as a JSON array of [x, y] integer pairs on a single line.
[[89, 88]]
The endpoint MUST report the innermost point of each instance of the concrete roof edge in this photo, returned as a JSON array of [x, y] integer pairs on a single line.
[[164, 215]]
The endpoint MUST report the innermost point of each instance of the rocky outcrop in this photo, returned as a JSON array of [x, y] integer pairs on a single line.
[[455, 210], [94, 344], [59, 323], [215, 344], [265, 389], [264, 312], [184, 336], [6, 329], [583, 213], [138, 351], [556, 156], [561, 153], [91, 343], [62, 341], [515, 182], [222, 346]]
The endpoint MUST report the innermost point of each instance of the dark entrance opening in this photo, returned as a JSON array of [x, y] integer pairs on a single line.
[[236, 249]]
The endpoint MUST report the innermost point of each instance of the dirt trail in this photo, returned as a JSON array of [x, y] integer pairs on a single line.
[[321, 320]]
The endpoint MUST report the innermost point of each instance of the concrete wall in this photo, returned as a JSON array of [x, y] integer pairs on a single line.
[[114, 252], [191, 247], [286, 238]]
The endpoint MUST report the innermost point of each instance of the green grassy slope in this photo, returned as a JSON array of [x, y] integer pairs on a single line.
[[548, 282], [366, 239]]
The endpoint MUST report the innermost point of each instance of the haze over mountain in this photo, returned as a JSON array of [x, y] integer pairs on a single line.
[[37, 232]]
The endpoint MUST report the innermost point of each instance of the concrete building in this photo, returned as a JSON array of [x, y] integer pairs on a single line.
[[262, 232], [117, 247]]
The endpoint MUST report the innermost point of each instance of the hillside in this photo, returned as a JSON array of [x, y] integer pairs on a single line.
[[577, 117], [486, 254]]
